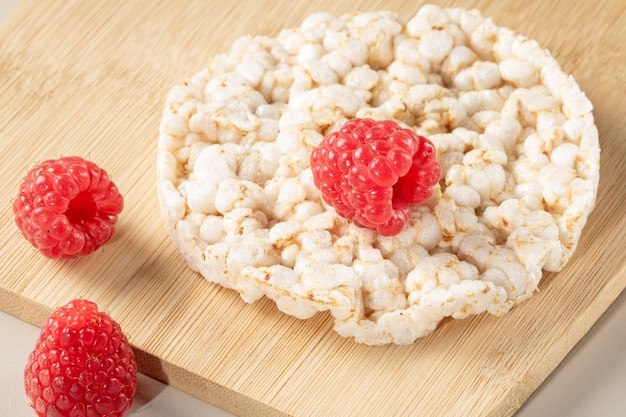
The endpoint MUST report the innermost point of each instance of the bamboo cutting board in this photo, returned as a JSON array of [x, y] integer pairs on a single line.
[[90, 78]]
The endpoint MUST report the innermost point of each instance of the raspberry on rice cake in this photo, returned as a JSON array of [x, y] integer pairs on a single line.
[[514, 135]]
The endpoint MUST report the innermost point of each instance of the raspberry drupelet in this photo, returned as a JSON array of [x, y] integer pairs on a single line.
[[67, 207], [372, 171]]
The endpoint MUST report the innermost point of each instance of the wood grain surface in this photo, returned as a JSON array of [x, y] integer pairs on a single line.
[[90, 79]]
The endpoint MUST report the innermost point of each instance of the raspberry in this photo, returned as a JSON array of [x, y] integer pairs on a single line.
[[82, 365], [371, 171], [67, 207]]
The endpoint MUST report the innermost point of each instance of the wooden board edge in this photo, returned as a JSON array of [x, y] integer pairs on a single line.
[[149, 364], [24, 309], [568, 340], [201, 388]]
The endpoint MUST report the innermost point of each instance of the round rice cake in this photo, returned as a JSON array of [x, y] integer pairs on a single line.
[[515, 138]]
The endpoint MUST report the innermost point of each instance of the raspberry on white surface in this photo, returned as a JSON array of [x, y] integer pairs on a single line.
[[515, 139]]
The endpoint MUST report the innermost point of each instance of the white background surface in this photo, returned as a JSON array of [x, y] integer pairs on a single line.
[[590, 382]]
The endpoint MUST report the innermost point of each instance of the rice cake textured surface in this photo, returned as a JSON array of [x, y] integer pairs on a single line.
[[514, 135]]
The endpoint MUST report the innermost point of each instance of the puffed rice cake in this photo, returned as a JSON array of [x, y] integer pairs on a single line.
[[515, 137]]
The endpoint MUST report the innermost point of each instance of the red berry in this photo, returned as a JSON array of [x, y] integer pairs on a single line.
[[82, 365], [370, 171], [67, 207]]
